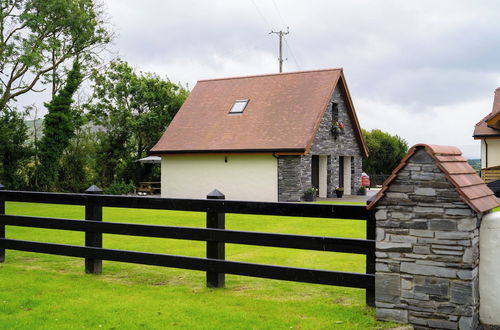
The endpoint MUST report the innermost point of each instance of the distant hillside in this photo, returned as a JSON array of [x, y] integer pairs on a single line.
[[32, 124], [475, 163], [38, 124]]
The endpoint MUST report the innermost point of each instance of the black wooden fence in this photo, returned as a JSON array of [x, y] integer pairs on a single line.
[[215, 235]]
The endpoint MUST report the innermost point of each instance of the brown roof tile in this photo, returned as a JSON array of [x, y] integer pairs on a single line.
[[482, 129], [283, 114], [457, 167], [468, 184]]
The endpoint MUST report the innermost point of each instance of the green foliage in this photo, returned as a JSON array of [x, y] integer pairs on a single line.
[[385, 151], [120, 188], [475, 164], [14, 152], [134, 109], [38, 38], [58, 129], [78, 163]]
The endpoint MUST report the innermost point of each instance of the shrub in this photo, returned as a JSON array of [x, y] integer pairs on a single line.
[[119, 188]]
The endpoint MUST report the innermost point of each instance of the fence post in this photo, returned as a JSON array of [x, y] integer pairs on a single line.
[[2, 227], [93, 211], [370, 257], [216, 250]]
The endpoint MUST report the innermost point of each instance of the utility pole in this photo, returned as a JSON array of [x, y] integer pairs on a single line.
[[281, 34]]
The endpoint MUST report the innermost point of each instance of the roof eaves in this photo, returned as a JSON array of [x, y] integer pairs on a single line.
[[229, 151]]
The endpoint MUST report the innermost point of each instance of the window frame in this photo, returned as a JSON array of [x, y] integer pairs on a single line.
[[245, 101]]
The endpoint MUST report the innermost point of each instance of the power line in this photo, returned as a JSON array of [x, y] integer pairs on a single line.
[[281, 35], [261, 15], [293, 55], [286, 42], [279, 13]]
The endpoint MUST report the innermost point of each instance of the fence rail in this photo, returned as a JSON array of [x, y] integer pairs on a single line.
[[215, 235]]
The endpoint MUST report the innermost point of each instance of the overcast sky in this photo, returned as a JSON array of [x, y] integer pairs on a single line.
[[424, 70]]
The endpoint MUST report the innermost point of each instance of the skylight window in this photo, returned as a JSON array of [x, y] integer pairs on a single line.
[[239, 106]]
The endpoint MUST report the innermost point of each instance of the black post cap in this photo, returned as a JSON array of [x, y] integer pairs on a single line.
[[215, 194], [93, 189]]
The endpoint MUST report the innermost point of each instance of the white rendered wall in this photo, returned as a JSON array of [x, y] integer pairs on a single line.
[[240, 178], [489, 269], [493, 146], [323, 176]]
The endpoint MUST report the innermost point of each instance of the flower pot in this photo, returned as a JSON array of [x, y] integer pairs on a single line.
[[362, 192], [309, 197], [339, 193]]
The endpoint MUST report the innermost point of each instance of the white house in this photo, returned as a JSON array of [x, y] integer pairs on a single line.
[[266, 137]]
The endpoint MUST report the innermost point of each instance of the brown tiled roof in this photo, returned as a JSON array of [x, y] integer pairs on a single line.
[[468, 184], [489, 126], [283, 114]]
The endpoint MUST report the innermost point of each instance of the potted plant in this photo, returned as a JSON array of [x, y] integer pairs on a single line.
[[337, 128], [310, 194], [362, 191], [339, 191]]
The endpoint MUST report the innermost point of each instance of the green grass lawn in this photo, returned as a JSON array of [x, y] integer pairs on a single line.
[[53, 292]]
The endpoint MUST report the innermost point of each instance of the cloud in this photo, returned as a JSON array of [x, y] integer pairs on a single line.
[[447, 125]]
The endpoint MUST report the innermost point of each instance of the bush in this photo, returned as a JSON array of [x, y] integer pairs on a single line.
[[120, 188]]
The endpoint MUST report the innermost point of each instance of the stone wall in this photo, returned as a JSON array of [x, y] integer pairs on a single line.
[[289, 183], [324, 144], [427, 251]]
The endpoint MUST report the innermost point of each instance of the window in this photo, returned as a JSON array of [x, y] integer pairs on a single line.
[[239, 106], [335, 112]]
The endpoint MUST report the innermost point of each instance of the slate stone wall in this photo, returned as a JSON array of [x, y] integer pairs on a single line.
[[289, 179], [292, 188], [427, 251]]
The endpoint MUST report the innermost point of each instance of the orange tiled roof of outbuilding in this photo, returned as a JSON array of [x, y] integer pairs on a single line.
[[282, 115], [468, 184]]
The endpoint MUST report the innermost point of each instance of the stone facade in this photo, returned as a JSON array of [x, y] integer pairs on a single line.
[[294, 172], [427, 250]]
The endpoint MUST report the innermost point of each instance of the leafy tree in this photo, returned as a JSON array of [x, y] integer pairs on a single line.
[[385, 151], [134, 109], [78, 161], [37, 38], [13, 150], [58, 129]]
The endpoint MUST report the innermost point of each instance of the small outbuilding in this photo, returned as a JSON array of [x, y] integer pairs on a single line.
[[428, 217], [266, 137]]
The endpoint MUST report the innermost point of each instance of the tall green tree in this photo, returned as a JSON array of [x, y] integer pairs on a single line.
[[78, 161], [58, 129], [385, 151], [38, 37], [133, 109], [14, 152]]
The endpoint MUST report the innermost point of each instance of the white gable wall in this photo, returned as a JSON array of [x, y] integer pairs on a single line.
[[243, 177], [493, 151]]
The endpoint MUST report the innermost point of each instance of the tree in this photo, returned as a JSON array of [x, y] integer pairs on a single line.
[[13, 150], [78, 162], [58, 129], [37, 38], [134, 109], [385, 151]]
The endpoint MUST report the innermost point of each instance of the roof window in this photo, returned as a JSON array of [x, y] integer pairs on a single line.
[[239, 106]]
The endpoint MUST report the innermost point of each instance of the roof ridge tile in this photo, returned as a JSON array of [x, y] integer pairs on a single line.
[[272, 74]]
